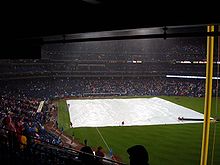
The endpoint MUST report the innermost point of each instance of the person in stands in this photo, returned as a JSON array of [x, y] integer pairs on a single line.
[[138, 155], [100, 155], [87, 156]]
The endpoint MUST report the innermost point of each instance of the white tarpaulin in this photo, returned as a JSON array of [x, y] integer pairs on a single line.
[[135, 111]]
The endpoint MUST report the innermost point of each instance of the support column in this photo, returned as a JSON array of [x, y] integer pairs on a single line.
[[208, 96]]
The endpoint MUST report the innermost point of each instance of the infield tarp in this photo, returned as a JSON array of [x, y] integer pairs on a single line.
[[134, 111]]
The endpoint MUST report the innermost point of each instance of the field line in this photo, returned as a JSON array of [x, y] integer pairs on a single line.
[[102, 138]]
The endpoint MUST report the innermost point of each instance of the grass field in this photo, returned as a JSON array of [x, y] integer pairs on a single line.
[[166, 144]]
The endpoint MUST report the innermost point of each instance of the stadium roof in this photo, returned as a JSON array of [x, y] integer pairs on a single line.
[[26, 24]]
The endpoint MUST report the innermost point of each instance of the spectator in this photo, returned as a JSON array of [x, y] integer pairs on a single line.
[[138, 155], [101, 155], [87, 156], [111, 153], [23, 142]]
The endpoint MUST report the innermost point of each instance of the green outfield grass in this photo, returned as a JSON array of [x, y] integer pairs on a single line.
[[166, 144], [63, 115]]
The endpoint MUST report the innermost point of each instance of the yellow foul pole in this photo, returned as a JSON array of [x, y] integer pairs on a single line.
[[208, 96]]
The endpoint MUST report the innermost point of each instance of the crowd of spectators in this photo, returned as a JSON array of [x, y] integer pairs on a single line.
[[44, 67], [146, 50], [49, 88], [20, 114], [23, 138], [144, 57]]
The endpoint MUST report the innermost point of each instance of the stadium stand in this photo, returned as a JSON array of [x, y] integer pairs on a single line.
[[89, 69], [48, 88], [24, 140]]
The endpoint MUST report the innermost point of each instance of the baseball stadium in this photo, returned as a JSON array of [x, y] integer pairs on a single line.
[[130, 96]]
